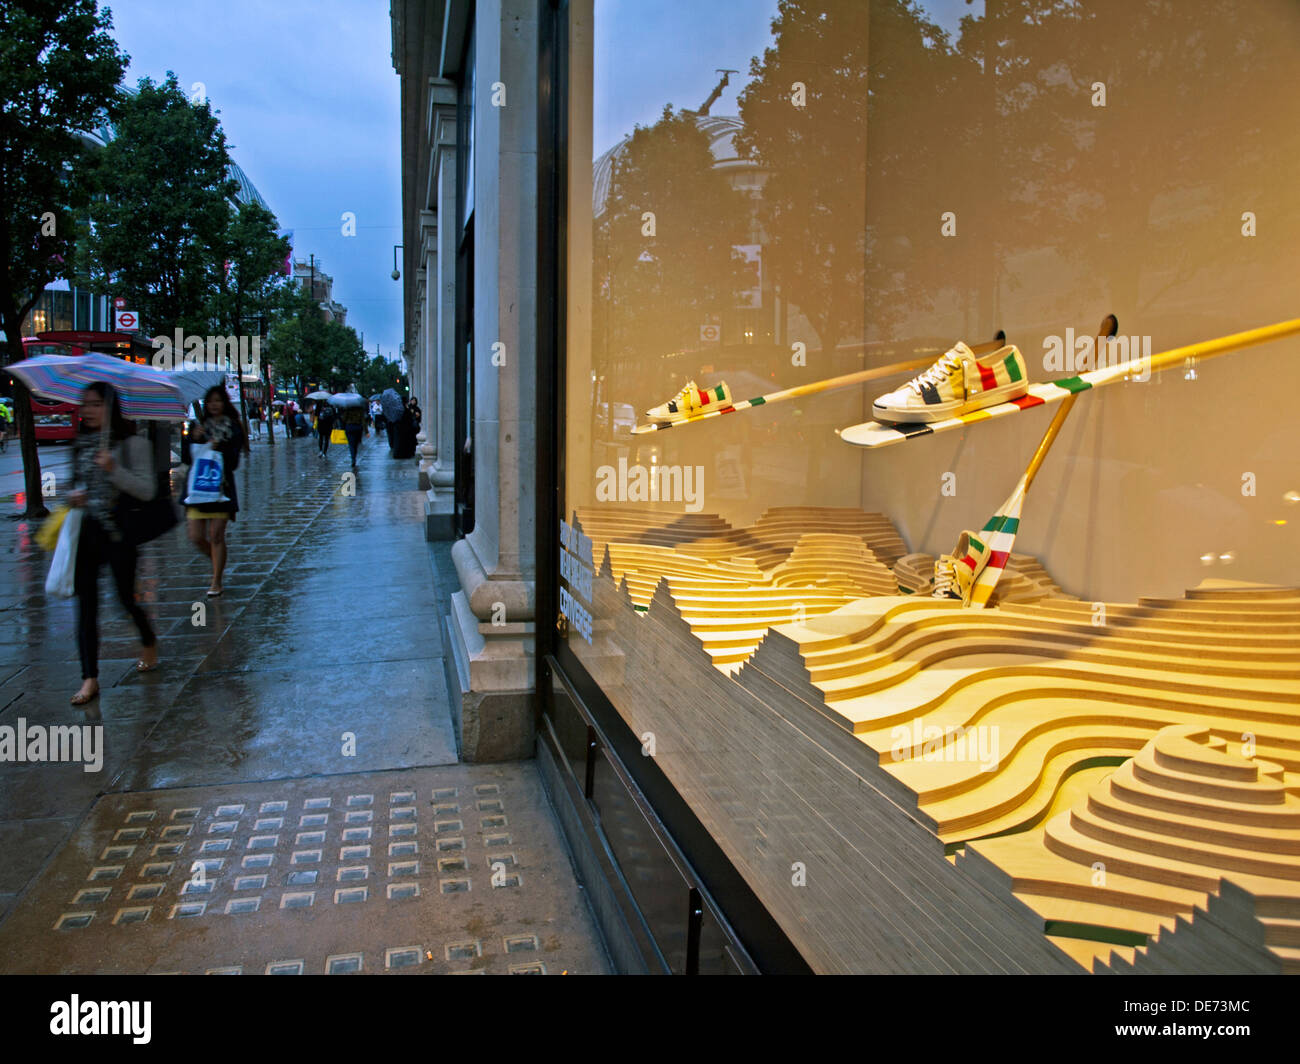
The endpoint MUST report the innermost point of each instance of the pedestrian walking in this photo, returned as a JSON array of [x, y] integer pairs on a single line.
[[354, 427], [290, 414], [324, 426], [259, 416], [6, 421], [207, 521], [109, 460], [405, 434]]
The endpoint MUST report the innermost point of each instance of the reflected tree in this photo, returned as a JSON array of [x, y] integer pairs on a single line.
[[664, 248]]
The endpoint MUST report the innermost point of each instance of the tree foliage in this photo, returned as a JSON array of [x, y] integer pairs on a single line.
[[380, 373], [252, 276], [59, 69], [657, 280], [304, 347], [159, 221]]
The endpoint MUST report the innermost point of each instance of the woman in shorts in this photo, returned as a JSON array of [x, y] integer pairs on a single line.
[[207, 521]]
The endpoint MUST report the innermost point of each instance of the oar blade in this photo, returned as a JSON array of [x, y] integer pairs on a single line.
[[999, 536]]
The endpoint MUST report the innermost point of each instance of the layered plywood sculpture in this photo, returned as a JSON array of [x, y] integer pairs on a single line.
[[1141, 850], [734, 584], [1121, 780], [1007, 726]]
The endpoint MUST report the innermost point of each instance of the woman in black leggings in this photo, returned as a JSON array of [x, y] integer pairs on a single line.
[[108, 459]]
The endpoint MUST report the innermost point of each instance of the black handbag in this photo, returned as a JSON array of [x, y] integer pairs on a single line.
[[142, 520]]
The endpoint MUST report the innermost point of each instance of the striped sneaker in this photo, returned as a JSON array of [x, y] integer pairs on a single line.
[[943, 583], [955, 573], [958, 383], [690, 401]]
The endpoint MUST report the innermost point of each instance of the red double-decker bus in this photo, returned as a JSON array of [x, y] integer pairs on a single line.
[[54, 421], [59, 421]]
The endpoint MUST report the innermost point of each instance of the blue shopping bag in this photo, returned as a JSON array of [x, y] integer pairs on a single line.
[[207, 471]]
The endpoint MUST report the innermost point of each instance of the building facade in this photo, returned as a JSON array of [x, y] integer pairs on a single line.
[[310, 276]]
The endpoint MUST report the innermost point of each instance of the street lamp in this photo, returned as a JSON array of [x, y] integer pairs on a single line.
[[396, 272]]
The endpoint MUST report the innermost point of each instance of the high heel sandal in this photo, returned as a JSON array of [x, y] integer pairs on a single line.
[[84, 700]]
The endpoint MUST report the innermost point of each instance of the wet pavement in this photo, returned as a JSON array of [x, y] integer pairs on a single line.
[[320, 664]]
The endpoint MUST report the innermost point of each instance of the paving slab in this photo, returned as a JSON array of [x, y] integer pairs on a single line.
[[452, 870]]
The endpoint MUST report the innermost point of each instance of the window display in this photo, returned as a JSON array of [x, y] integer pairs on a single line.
[[931, 739]]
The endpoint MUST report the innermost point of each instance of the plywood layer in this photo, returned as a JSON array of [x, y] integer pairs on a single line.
[[733, 584], [1121, 778]]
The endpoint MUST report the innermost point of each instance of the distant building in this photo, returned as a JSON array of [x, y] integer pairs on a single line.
[[309, 275]]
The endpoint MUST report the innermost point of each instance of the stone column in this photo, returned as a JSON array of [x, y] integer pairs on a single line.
[[440, 314], [492, 615], [424, 448]]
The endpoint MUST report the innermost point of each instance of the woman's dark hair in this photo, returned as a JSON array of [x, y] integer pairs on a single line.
[[119, 428], [225, 399]]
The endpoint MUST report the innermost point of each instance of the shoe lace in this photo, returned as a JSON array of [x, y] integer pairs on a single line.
[[944, 576], [936, 374]]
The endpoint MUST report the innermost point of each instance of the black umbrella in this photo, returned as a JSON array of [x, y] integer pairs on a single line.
[[392, 404]]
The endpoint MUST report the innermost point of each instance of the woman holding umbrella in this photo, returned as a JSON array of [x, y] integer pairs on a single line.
[[391, 404], [405, 433], [207, 521], [352, 416], [109, 460], [324, 426]]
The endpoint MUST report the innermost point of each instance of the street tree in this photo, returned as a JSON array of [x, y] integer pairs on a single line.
[[159, 222], [60, 68], [380, 373], [805, 124], [306, 346], [252, 276], [252, 273]]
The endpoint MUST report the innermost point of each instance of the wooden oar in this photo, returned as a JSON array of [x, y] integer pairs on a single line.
[[999, 533], [875, 434], [811, 388]]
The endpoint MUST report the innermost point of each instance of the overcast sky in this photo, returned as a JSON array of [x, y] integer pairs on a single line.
[[309, 101]]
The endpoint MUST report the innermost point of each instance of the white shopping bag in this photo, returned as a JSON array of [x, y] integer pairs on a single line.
[[63, 566], [207, 471]]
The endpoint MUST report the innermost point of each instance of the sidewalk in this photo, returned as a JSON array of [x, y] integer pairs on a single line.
[[321, 664]]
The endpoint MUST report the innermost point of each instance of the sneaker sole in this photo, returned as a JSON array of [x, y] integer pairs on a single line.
[[944, 411]]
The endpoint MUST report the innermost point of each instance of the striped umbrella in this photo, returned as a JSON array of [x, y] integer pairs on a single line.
[[145, 393]]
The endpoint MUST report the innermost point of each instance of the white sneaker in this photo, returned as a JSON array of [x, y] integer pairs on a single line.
[[689, 401], [957, 384]]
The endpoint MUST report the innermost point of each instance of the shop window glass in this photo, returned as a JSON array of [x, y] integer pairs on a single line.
[[859, 188]]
